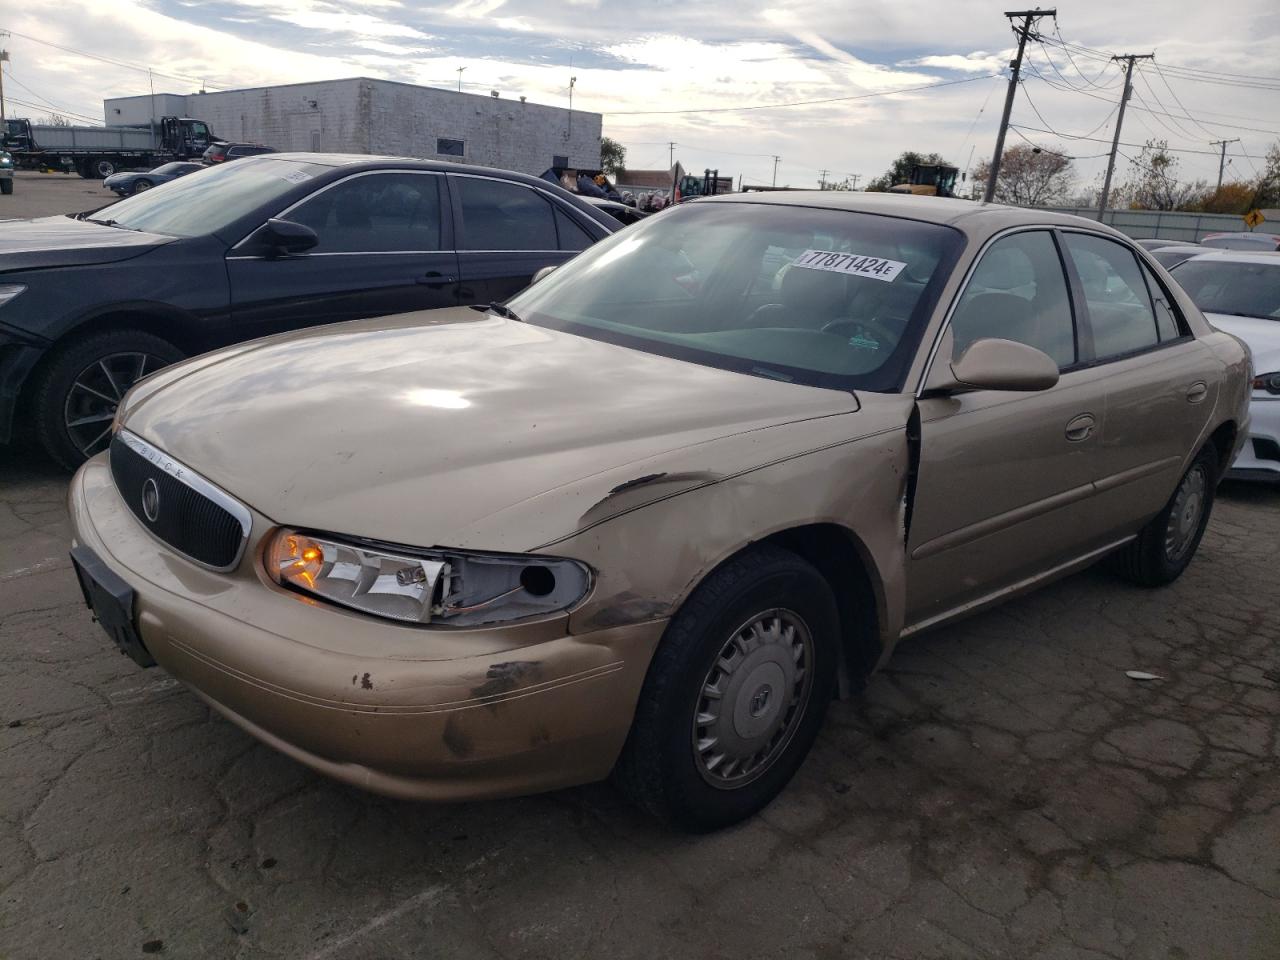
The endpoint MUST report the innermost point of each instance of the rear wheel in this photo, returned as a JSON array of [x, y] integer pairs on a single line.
[[1166, 545], [140, 185], [102, 167], [735, 694], [6, 186], [77, 394]]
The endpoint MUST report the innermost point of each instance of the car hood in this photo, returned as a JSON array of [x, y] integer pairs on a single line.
[[450, 427], [1261, 336], [64, 241]]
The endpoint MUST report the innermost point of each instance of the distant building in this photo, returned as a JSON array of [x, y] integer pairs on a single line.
[[361, 115]]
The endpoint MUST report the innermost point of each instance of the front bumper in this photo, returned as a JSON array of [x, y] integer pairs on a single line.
[[1259, 457], [410, 712]]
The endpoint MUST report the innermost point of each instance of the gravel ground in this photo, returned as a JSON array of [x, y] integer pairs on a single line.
[[1002, 790]]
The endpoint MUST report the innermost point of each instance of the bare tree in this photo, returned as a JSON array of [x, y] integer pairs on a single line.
[[1030, 176], [1154, 184], [56, 120]]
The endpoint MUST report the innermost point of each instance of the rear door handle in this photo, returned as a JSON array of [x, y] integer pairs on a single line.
[[1079, 428], [1197, 392], [435, 280]]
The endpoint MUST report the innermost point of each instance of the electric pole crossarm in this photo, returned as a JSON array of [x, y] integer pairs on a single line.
[[1028, 18]]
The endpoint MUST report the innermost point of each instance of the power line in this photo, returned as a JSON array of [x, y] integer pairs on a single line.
[[1123, 143], [102, 59], [49, 104], [797, 103]]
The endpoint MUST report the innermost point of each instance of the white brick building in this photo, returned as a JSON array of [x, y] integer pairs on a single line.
[[384, 117]]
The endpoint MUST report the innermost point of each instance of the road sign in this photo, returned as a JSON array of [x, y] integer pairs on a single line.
[[1253, 218]]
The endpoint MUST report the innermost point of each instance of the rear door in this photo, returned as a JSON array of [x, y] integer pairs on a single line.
[[508, 231], [1160, 381], [385, 247], [1005, 479]]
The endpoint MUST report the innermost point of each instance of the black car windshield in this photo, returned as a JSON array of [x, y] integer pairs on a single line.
[[196, 206], [816, 296], [1241, 289]]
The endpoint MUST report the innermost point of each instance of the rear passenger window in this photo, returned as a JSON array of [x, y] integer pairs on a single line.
[[1167, 324], [572, 236], [1120, 311], [497, 215], [1018, 292]]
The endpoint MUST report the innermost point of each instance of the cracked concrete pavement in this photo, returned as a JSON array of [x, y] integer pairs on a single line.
[[1002, 790]]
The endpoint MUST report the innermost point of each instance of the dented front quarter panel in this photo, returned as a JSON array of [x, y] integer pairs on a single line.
[[850, 472]]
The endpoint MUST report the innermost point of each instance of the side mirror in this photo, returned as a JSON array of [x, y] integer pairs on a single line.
[[992, 364], [542, 274], [285, 236]]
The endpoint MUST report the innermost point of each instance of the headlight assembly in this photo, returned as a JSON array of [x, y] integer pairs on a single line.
[[447, 587]]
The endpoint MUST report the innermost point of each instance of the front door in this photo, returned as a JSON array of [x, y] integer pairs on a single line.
[[384, 248], [1005, 479]]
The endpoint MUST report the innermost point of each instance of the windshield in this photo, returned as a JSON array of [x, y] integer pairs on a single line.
[[172, 168], [1239, 289], [822, 297], [204, 202]]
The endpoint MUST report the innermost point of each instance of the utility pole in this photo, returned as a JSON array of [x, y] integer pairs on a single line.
[[152, 80], [1115, 141], [775, 170], [855, 177], [573, 82], [1028, 18], [459, 72], [822, 181], [1222, 162], [4, 58], [671, 154]]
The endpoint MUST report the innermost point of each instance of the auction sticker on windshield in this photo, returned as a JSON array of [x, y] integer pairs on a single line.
[[877, 268]]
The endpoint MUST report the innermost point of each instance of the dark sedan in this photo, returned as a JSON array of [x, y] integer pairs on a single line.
[[90, 304], [135, 181]]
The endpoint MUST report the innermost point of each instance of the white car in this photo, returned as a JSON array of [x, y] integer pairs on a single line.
[[1239, 293]]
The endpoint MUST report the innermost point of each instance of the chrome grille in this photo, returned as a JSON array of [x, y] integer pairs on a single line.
[[177, 505]]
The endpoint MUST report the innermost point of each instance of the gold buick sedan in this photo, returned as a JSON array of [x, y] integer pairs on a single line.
[[640, 519]]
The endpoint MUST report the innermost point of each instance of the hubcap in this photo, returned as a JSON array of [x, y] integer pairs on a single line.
[[139, 187], [1184, 517], [752, 698], [91, 403]]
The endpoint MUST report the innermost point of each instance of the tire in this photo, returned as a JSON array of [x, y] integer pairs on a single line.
[[102, 167], [1167, 544], [666, 766], [79, 387], [6, 186], [140, 185]]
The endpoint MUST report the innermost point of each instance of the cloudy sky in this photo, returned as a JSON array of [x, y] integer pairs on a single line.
[[1218, 76]]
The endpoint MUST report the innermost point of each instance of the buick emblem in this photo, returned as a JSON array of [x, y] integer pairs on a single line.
[[151, 500]]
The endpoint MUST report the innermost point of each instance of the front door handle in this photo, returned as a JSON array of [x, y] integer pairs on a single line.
[[435, 280], [1197, 391], [1079, 428]]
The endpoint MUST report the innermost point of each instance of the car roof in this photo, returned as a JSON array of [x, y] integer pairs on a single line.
[[1241, 256], [973, 217], [1241, 234]]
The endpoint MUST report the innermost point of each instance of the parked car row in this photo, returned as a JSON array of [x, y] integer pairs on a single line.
[[634, 519], [90, 304]]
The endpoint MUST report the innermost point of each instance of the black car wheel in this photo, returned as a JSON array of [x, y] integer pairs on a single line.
[[78, 392], [1166, 545], [735, 694], [140, 185]]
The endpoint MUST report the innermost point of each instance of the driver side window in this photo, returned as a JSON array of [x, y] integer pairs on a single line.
[[1018, 292]]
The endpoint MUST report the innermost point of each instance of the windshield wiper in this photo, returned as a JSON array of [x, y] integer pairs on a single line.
[[501, 309]]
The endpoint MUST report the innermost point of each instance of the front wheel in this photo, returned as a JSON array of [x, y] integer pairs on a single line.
[[83, 382], [140, 185], [736, 693], [1166, 545]]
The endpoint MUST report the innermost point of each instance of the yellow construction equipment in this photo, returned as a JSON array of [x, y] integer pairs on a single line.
[[929, 180]]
